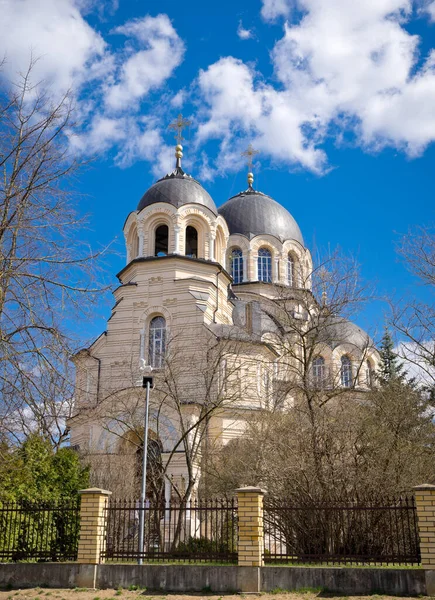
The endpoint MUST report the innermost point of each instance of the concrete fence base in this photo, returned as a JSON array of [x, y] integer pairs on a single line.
[[201, 578]]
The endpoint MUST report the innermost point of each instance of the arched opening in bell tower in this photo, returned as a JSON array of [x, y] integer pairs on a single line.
[[161, 245], [191, 242]]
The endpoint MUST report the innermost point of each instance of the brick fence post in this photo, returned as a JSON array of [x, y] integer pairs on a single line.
[[250, 537], [92, 525], [425, 501]]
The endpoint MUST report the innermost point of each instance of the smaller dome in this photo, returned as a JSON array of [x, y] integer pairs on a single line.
[[335, 331], [252, 213], [178, 189]]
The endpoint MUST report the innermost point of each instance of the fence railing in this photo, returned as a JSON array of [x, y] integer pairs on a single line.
[[43, 531], [374, 533], [201, 531]]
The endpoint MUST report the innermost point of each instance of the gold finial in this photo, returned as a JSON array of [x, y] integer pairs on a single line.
[[179, 125], [249, 153]]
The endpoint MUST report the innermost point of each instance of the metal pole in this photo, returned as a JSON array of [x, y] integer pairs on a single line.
[[144, 476]]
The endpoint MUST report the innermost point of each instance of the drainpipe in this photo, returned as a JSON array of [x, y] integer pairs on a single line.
[[217, 294]]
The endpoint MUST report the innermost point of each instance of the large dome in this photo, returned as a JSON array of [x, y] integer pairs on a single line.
[[177, 189], [253, 213]]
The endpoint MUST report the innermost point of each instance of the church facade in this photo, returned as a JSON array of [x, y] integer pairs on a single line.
[[219, 302]]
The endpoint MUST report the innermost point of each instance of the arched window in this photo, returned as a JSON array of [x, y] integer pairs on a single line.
[[369, 374], [161, 241], [264, 265], [346, 371], [157, 342], [191, 242], [291, 271], [319, 371], [237, 265]]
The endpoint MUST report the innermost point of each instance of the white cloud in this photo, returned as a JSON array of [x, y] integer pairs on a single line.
[[53, 31], [108, 84], [148, 68], [343, 66], [416, 360], [179, 99], [429, 9], [244, 34], [272, 9]]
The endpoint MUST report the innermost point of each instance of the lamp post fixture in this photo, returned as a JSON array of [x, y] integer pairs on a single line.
[[147, 383]]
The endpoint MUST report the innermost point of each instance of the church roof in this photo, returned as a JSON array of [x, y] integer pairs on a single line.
[[252, 213], [335, 331], [177, 188]]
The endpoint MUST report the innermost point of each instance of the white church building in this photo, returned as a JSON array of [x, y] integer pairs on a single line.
[[212, 299]]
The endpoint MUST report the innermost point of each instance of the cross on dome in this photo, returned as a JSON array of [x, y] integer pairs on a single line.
[[249, 153], [179, 125]]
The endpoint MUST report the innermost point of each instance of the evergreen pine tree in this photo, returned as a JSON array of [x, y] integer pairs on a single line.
[[391, 367]]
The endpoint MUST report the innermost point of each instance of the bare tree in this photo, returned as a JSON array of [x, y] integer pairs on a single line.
[[197, 385], [47, 277], [414, 319], [312, 323]]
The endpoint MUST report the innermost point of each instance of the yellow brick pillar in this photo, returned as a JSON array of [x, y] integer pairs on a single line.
[[425, 501], [92, 525], [250, 523]]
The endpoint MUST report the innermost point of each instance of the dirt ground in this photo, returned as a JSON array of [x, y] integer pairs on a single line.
[[130, 594]]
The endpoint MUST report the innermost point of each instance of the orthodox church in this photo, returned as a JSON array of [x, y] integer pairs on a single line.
[[215, 301]]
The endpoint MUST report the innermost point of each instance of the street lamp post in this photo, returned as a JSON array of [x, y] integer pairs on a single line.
[[147, 383]]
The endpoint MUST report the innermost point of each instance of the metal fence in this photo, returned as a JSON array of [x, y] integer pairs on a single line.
[[200, 531], [382, 532], [43, 531]]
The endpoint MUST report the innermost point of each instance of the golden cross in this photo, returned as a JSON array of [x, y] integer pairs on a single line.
[[179, 125], [249, 153]]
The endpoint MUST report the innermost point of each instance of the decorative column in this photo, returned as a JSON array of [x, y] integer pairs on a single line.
[[276, 278], [211, 243], [177, 230], [425, 501], [92, 541], [141, 239], [245, 268], [253, 260]]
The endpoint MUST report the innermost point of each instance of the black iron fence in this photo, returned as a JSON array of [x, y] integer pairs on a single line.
[[200, 531], [382, 532], [43, 531]]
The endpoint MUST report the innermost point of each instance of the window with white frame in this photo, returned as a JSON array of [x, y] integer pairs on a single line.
[[157, 342], [237, 265], [291, 271], [346, 372], [319, 371], [264, 262]]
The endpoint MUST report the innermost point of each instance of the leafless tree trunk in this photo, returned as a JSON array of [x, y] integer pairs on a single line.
[[414, 319], [47, 277]]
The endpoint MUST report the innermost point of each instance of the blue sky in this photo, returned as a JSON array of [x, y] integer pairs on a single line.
[[338, 96]]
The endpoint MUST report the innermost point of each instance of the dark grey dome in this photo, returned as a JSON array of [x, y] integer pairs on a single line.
[[177, 189], [252, 213], [335, 331]]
